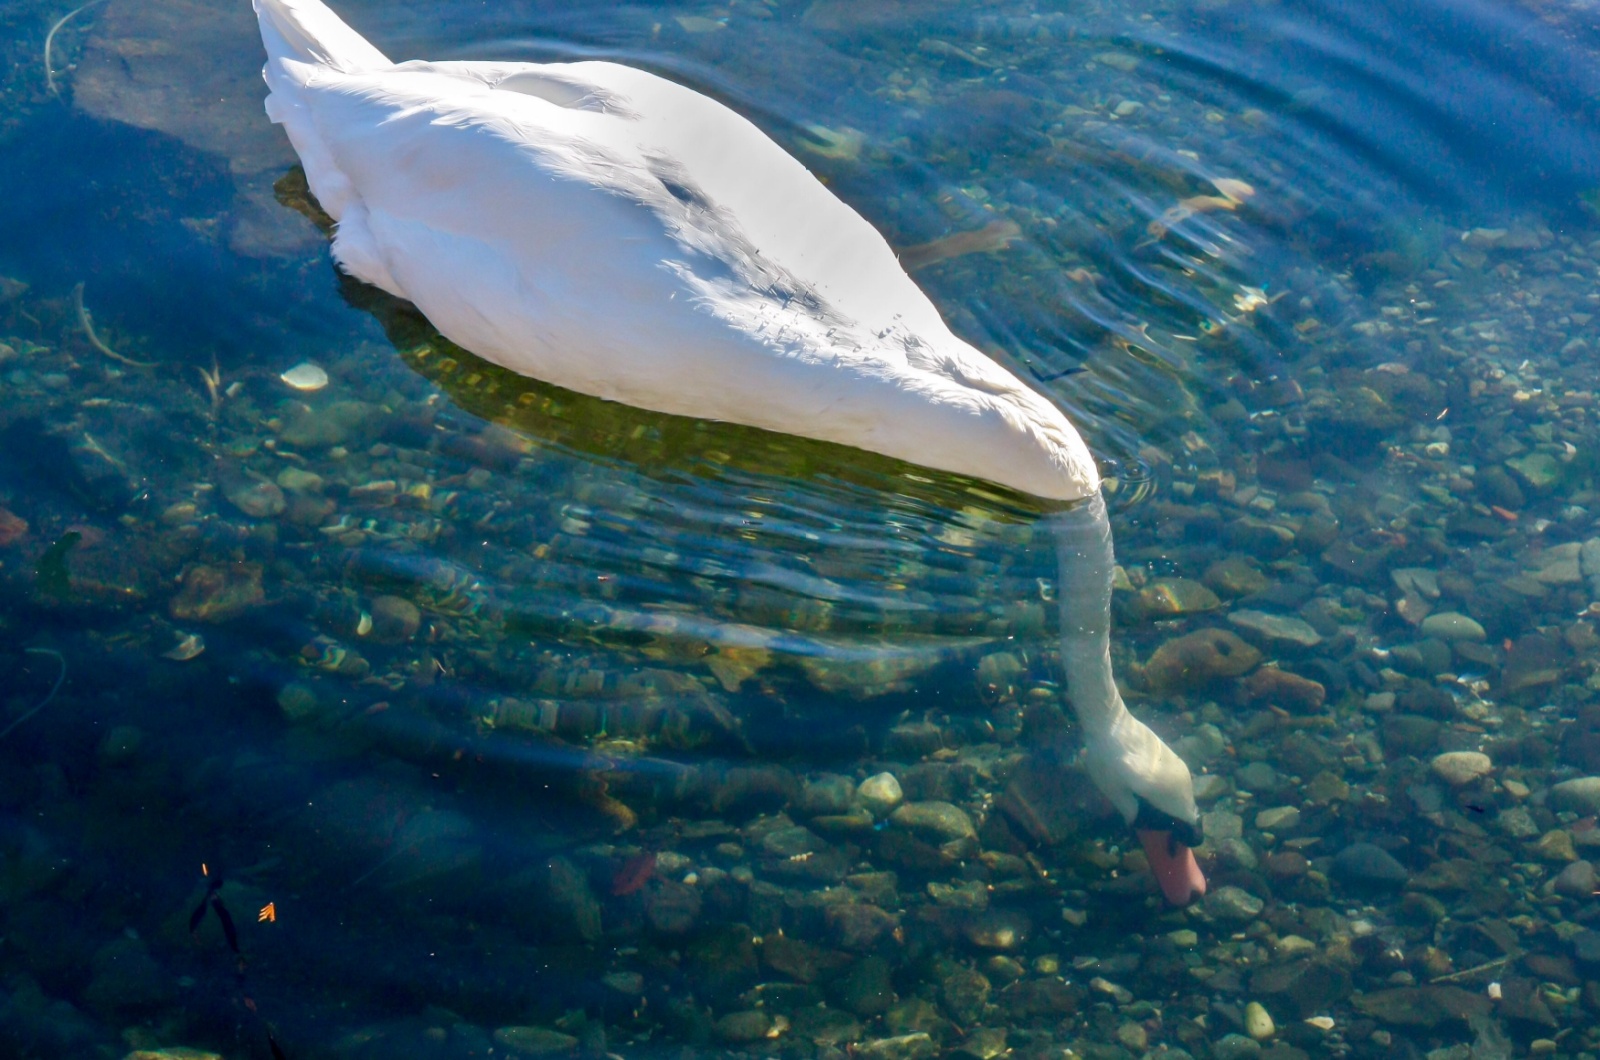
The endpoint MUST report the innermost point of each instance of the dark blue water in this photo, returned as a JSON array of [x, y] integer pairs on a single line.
[[536, 721]]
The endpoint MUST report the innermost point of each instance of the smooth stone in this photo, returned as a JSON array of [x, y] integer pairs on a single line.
[[1279, 629], [1560, 564], [1365, 865], [299, 480], [535, 1041], [880, 794], [912, 741], [1235, 1047], [751, 1025], [1581, 795], [1280, 688], [1557, 845], [1210, 786], [258, 500], [827, 795], [1278, 818], [859, 926], [1586, 948], [1174, 596], [1517, 822], [1257, 777], [1233, 904], [1258, 1022], [916, 1046], [395, 620], [1452, 625], [964, 991], [999, 930], [867, 989], [1461, 767], [1235, 577], [935, 820], [1577, 880]]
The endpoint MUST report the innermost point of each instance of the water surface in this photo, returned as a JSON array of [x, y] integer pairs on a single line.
[[537, 721]]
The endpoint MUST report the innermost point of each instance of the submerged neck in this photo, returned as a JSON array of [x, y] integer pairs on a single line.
[[1085, 558]]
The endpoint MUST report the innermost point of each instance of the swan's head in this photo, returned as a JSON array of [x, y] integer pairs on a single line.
[[1151, 788]]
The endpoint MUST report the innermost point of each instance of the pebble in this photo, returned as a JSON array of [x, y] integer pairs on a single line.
[[305, 376], [1367, 865], [1461, 767], [750, 1025], [998, 930], [1557, 845], [394, 620], [901, 1047], [1196, 659], [1581, 795], [535, 1041], [941, 821], [1278, 818], [880, 794], [258, 500], [1452, 625], [1258, 1022], [1233, 904], [1235, 1047], [1280, 630], [1577, 880]]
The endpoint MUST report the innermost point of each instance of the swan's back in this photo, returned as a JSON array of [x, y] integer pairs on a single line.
[[604, 229]]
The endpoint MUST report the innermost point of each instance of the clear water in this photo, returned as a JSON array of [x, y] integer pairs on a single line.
[[520, 708]]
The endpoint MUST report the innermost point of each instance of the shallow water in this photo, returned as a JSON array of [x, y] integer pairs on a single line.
[[538, 720]]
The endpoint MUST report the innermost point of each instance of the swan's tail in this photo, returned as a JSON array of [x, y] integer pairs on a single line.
[[307, 46], [308, 32]]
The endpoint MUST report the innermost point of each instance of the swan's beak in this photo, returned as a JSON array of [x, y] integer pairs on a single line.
[[1173, 866]]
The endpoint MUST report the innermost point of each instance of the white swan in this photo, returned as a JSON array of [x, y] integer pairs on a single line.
[[598, 227]]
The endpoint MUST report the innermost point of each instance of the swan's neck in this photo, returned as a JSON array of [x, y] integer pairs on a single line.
[[1085, 558]]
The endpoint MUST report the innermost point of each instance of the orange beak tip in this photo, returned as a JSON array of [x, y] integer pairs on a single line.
[[1174, 867]]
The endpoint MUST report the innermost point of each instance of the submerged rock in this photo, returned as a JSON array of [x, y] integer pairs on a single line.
[[1580, 795], [1196, 659], [1278, 630], [1452, 626], [1423, 1006], [216, 594], [535, 1041], [1170, 597], [1301, 988], [1461, 767], [1280, 688], [1366, 866]]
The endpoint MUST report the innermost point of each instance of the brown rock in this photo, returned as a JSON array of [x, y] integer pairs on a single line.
[[1280, 688], [1300, 988], [1533, 660], [1047, 800], [1423, 1006], [858, 926], [1196, 659], [394, 620], [1173, 596], [13, 528], [1285, 864], [216, 594]]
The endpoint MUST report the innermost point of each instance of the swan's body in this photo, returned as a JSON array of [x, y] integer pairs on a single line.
[[601, 228]]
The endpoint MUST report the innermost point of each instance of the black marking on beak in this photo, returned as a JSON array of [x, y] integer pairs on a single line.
[[1186, 833]]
